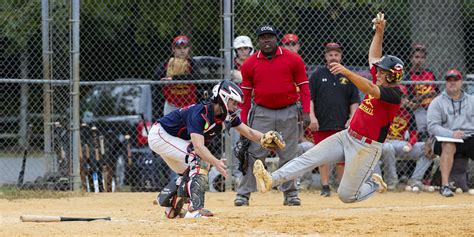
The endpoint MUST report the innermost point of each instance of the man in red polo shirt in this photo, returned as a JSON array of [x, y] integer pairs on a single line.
[[277, 79], [360, 145]]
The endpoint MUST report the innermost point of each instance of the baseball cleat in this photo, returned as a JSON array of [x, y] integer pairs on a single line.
[[379, 181], [263, 178], [196, 214]]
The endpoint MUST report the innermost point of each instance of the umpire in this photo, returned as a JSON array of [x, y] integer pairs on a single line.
[[277, 79]]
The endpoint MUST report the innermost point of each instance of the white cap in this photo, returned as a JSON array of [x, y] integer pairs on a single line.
[[243, 41]]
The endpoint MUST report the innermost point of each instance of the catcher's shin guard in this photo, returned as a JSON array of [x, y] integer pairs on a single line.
[[196, 185], [168, 197]]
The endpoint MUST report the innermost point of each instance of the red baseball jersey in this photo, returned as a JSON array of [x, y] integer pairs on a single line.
[[422, 89], [373, 117], [400, 125], [275, 83]]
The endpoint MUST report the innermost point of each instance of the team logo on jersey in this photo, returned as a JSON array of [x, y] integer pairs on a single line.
[[397, 128], [343, 81], [367, 105]]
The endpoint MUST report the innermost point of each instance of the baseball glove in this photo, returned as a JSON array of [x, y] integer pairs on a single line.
[[271, 140], [177, 66]]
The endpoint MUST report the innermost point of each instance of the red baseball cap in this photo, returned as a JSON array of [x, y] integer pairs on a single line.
[[332, 46], [453, 73], [181, 40], [290, 38]]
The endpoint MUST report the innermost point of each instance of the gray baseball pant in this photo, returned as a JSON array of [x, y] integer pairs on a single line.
[[360, 159]]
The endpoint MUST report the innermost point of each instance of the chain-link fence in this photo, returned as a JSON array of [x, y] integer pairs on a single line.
[[127, 47]]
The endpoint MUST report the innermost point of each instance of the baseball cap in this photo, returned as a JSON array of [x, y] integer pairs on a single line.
[[453, 73], [266, 29], [332, 46], [181, 40], [290, 38]]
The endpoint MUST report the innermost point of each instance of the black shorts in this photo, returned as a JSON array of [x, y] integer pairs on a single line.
[[465, 149]]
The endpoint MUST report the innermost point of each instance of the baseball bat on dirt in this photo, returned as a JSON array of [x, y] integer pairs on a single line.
[[40, 218]]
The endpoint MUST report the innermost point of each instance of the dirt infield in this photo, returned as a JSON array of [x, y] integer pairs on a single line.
[[391, 214]]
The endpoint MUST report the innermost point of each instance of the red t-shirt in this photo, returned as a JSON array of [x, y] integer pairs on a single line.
[[373, 117], [422, 89], [274, 82]]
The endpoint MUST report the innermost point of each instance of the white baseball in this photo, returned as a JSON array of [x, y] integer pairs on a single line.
[[406, 148], [415, 189], [408, 188], [471, 191], [458, 190], [431, 189]]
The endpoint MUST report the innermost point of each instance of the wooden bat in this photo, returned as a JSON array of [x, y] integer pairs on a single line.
[[129, 150], [40, 218], [21, 175], [105, 171], [95, 175]]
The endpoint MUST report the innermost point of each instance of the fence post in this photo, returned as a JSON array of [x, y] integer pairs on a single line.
[[75, 52]]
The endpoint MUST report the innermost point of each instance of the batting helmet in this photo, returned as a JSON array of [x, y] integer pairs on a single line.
[[392, 64], [243, 41], [223, 92]]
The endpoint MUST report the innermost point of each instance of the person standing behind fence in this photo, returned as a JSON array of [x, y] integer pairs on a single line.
[[420, 95], [291, 42], [243, 49], [334, 100], [451, 115], [179, 67], [277, 79]]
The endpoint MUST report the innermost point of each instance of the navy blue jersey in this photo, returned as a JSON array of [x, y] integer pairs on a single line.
[[196, 118]]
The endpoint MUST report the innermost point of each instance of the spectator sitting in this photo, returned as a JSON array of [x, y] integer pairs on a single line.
[[179, 67], [450, 115], [397, 147]]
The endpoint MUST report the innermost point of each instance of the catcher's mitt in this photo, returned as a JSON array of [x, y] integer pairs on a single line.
[[271, 140], [177, 66]]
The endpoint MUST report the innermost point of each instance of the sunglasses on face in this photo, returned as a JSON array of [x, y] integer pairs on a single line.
[[290, 44], [452, 79], [181, 42]]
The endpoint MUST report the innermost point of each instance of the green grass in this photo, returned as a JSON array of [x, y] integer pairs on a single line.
[[10, 192]]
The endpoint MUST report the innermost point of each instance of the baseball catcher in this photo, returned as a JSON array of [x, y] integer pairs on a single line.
[[181, 138]]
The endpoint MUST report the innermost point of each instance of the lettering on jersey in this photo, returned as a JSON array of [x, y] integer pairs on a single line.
[[398, 127], [343, 81], [325, 79], [367, 106]]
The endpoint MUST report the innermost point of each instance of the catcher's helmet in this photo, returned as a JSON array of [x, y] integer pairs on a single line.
[[392, 64], [222, 92], [243, 41]]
